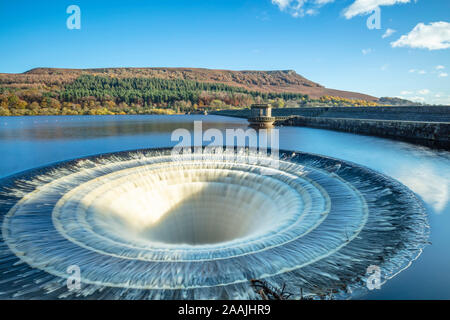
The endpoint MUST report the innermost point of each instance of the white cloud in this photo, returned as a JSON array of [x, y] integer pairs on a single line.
[[440, 67], [417, 99], [360, 7], [434, 36], [322, 2], [418, 95], [443, 75], [424, 92], [389, 32], [417, 71], [366, 51], [300, 8], [426, 96], [282, 4]]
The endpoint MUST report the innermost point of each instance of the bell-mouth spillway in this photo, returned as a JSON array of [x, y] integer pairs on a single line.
[[145, 225]]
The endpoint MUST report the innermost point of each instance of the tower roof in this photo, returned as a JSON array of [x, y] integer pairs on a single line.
[[261, 106]]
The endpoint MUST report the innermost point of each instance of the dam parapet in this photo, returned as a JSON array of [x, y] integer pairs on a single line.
[[424, 125], [407, 113], [431, 134]]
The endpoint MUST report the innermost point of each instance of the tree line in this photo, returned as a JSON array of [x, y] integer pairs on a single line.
[[98, 95], [162, 92]]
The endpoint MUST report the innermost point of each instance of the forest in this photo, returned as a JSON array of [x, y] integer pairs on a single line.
[[100, 95]]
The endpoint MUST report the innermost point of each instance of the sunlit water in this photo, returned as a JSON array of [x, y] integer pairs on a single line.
[[31, 142]]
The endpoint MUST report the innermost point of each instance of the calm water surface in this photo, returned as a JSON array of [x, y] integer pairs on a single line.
[[29, 142]]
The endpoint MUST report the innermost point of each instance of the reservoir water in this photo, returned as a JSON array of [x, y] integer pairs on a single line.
[[30, 142]]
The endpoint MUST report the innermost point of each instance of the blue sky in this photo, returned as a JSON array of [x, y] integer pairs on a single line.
[[327, 41]]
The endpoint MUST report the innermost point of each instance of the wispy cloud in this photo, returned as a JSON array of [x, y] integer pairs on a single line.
[[425, 95], [366, 51], [263, 16], [417, 99], [439, 70], [300, 8], [424, 92], [434, 36], [282, 4], [417, 71], [388, 33], [360, 7]]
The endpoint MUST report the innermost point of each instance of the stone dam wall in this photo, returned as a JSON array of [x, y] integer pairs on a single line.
[[432, 134], [428, 125], [431, 113]]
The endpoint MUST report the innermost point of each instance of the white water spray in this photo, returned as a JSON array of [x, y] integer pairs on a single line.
[[141, 225]]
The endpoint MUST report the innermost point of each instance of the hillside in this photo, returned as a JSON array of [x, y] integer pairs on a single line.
[[262, 81], [45, 91]]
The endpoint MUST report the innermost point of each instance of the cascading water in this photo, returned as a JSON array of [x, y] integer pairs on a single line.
[[145, 225]]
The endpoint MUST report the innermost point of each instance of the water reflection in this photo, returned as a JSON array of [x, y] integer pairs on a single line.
[[423, 170], [431, 185], [81, 127]]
